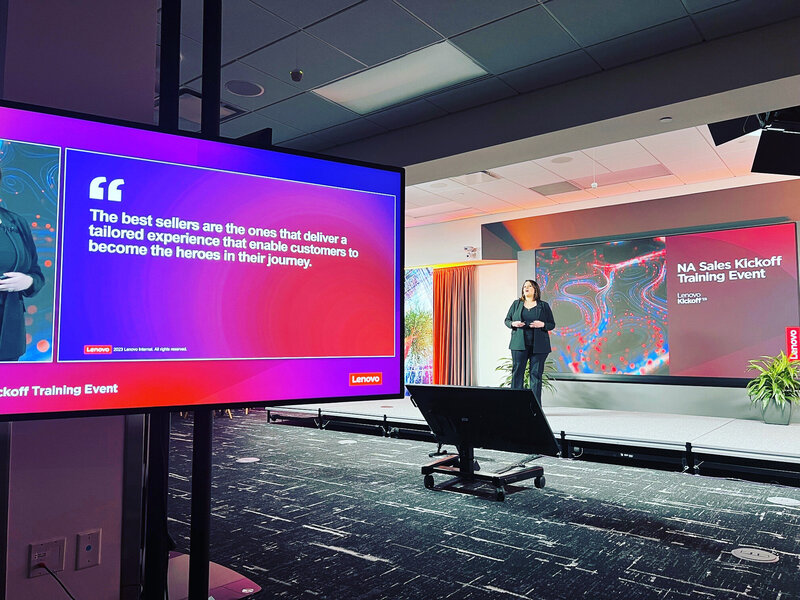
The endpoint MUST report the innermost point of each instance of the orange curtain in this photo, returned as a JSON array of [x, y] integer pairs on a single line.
[[453, 292]]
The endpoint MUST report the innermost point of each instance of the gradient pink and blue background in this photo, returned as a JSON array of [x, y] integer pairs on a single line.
[[741, 319], [346, 310]]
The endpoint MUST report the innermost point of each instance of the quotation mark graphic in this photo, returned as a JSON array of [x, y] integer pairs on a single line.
[[98, 192]]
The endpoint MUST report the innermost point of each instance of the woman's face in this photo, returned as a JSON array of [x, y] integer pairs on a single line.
[[527, 290]]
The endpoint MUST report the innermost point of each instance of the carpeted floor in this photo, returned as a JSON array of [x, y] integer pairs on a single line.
[[333, 515]]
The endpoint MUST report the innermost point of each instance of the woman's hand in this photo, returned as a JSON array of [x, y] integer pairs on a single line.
[[537, 324], [15, 282], [517, 323]]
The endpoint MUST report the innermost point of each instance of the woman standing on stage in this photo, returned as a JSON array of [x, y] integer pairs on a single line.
[[530, 319]]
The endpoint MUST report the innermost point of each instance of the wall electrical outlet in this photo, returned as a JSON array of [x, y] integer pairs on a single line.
[[50, 553], [88, 550]]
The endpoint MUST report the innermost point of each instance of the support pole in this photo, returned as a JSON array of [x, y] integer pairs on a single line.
[[212, 66], [169, 79], [201, 505], [203, 417], [157, 540]]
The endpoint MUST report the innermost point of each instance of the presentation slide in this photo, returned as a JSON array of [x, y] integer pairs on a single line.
[[161, 270], [223, 265], [699, 305]]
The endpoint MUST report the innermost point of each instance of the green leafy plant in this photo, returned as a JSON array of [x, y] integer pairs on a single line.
[[505, 366], [777, 381]]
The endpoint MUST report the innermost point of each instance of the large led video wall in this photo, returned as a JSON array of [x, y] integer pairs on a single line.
[[699, 304], [139, 269]]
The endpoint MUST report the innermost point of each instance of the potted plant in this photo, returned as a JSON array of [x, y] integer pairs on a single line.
[[775, 388], [505, 365]]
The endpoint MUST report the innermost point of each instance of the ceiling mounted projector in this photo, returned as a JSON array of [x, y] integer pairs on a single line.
[[779, 146]]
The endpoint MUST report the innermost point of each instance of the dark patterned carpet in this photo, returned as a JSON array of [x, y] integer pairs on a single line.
[[333, 515]]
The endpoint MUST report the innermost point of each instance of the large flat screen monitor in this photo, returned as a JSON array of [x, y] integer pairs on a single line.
[[152, 270]]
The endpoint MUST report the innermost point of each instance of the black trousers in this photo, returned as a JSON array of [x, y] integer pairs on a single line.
[[519, 360]]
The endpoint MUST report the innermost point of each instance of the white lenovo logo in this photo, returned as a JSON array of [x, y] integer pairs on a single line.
[[97, 191]]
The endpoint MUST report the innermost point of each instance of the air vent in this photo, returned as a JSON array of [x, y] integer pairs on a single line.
[[552, 189]]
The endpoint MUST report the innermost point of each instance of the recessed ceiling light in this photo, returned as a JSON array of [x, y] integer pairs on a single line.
[[561, 159], [248, 89], [427, 70], [665, 119], [439, 184]]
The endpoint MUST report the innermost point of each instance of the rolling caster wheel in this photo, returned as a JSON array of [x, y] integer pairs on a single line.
[[428, 481], [539, 482]]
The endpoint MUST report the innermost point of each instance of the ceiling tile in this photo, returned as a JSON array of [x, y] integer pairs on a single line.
[[319, 62], [477, 199], [743, 15], [348, 132], [306, 12], [308, 142], [521, 39], [513, 193], [738, 154], [308, 112], [676, 145], [623, 176], [274, 90], [247, 27], [449, 20], [192, 20], [656, 183], [689, 173], [406, 114], [572, 197], [191, 59], [572, 165], [422, 197], [622, 156], [591, 22], [695, 6], [457, 214], [440, 185], [442, 207], [472, 94], [252, 122], [187, 125], [375, 31], [616, 189], [527, 174], [551, 72], [644, 44]]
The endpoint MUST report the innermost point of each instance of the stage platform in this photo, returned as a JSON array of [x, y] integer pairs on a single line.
[[706, 445]]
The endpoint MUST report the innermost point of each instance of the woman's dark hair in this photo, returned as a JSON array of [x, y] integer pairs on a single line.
[[537, 293]]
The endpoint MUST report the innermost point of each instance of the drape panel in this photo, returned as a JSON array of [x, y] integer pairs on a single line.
[[453, 301]]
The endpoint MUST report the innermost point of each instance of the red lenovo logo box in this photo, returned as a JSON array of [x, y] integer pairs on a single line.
[[94, 349], [366, 378], [793, 343]]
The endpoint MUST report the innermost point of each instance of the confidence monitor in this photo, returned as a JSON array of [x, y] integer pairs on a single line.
[[479, 417], [159, 270]]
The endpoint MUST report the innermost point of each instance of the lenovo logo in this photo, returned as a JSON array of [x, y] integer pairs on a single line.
[[94, 349], [793, 343], [366, 378]]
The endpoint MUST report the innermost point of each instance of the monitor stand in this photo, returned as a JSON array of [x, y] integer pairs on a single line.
[[464, 469]]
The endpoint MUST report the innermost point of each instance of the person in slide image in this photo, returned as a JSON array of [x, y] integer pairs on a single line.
[[20, 277], [530, 320]]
